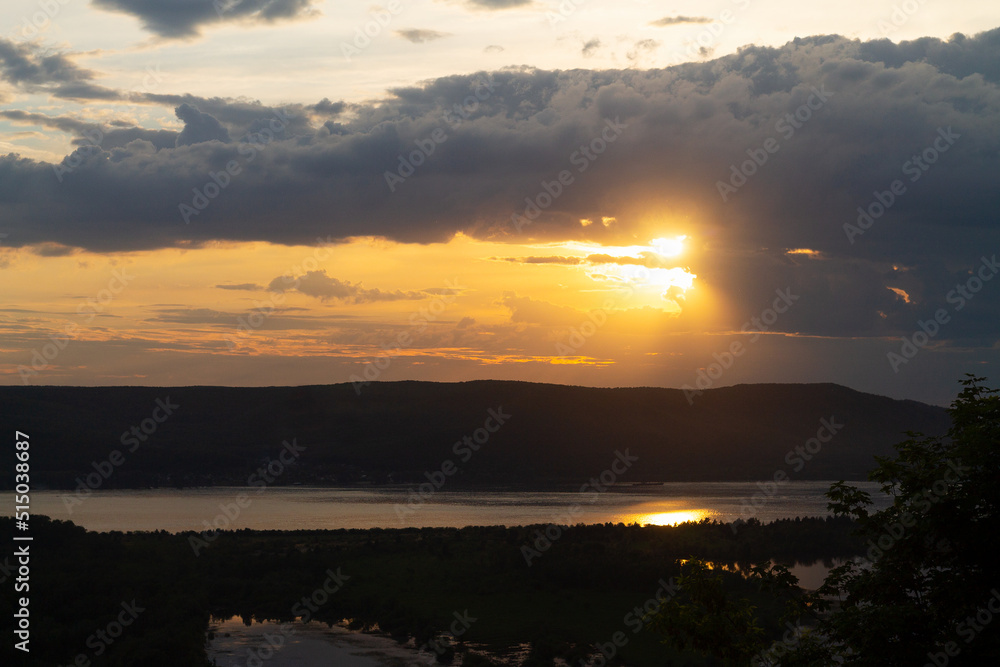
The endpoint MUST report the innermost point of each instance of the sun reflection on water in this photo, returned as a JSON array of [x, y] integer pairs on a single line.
[[670, 518]]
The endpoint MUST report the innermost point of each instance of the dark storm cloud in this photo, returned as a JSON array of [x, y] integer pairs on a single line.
[[241, 116], [844, 119], [960, 56], [28, 67], [325, 106], [53, 250], [64, 123], [186, 18], [21, 65], [199, 127], [88, 134], [121, 138]]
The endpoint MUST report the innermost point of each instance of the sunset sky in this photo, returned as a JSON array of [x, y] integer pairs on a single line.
[[287, 192]]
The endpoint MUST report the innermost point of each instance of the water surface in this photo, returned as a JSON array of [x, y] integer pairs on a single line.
[[310, 508]]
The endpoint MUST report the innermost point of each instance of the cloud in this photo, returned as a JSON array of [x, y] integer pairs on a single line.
[[543, 260], [650, 260], [242, 117], [524, 309], [28, 67], [205, 119], [64, 123], [681, 132], [493, 5], [199, 127], [275, 318], [326, 107], [193, 316], [493, 48], [679, 20], [444, 291], [53, 250], [324, 287], [89, 133], [246, 287], [186, 18], [419, 36], [641, 48], [590, 47]]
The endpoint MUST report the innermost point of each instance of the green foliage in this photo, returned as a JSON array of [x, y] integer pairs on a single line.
[[923, 593], [591, 584], [708, 620], [932, 552]]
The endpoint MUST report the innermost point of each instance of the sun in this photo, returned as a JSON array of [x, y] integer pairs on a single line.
[[668, 247], [645, 268], [631, 276]]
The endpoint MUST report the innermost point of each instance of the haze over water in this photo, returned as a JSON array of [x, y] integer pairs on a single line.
[[306, 508]]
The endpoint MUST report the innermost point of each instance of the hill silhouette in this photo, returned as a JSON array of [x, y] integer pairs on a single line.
[[395, 432]]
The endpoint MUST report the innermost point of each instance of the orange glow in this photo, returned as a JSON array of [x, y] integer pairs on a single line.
[[669, 247], [643, 270], [901, 293], [670, 518], [514, 303]]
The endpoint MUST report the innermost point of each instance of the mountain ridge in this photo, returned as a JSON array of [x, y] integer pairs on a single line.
[[398, 432]]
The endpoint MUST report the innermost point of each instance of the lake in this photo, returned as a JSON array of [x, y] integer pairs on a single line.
[[311, 508], [234, 642]]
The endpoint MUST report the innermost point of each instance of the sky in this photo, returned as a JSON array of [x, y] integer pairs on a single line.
[[627, 193]]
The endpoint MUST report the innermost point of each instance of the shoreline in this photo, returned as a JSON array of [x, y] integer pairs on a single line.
[[234, 644]]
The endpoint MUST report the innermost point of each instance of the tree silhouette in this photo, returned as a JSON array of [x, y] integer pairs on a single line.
[[927, 591]]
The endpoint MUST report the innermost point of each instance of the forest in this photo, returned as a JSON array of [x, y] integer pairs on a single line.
[[404, 582], [394, 432], [914, 583]]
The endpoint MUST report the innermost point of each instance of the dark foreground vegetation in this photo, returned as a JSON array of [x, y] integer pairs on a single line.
[[407, 582], [929, 593]]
